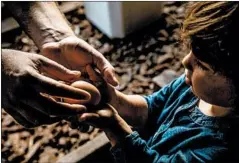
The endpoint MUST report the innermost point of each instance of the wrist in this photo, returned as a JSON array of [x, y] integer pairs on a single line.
[[115, 98], [111, 137], [123, 127], [52, 24], [118, 132], [42, 21], [52, 35]]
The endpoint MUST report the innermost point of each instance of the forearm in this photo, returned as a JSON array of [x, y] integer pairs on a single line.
[[42, 21], [132, 108]]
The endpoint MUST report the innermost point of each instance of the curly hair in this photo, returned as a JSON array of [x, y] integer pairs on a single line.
[[211, 30]]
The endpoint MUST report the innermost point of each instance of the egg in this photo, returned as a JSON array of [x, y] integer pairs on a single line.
[[94, 97]]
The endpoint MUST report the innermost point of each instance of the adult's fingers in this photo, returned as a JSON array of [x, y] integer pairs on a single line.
[[76, 124], [100, 62], [90, 118], [47, 105], [55, 108], [109, 76], [52, 87], [105, 68], [57, 71], [93, 74]]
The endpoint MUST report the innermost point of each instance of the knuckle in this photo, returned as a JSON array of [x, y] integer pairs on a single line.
[[26, 77], [40, 60], [64, 69], [35, 59], [21, 73]]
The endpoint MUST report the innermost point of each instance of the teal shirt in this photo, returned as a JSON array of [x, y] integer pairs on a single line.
[[177, 131]]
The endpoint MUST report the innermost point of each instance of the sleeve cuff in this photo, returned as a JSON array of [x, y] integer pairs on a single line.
[[116, 151], [117, 154]]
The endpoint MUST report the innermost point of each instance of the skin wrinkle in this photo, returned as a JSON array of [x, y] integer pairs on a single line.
[[30, 15], [53, 34], [42, 19], [56, 35], [63, 57], [89, 51]]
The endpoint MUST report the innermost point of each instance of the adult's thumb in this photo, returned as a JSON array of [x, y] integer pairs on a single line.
[[109, 76], [57, 71]]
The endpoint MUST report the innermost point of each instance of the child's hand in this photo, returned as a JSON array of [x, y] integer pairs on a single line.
[[108, 119], [103, 117], [108, 92]]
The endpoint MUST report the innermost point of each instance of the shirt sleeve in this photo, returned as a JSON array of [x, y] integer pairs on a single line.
[[157, 100], [136, 150]]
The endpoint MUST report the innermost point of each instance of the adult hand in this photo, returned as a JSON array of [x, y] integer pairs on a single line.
[[49, 29], [75, 53], [23, 85]]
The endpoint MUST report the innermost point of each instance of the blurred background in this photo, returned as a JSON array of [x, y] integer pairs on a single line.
[[140, 39]]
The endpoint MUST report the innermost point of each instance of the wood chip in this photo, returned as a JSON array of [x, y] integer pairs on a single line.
[[165, 77]]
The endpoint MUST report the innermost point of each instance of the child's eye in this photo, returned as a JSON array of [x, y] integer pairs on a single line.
[[201, 66]]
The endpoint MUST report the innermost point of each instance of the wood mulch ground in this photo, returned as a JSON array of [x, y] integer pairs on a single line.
[[140, 61]]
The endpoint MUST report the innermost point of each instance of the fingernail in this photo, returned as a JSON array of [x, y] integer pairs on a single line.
[[111, 78], [115, 79], [78, 73], [116, 82], [81, 118], [117, 87]]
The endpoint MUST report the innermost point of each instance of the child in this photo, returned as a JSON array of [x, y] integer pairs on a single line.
[[194, 118]]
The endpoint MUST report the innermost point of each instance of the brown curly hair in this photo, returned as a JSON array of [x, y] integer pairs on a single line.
[[211, 30]]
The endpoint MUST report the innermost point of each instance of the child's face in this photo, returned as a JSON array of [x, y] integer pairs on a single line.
[[208, 85]]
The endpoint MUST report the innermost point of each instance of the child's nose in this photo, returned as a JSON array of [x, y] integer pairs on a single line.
[[187, 61]]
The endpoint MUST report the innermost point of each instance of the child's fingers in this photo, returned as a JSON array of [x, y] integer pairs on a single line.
[[93, 75], [90, 118], [109, 76]]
